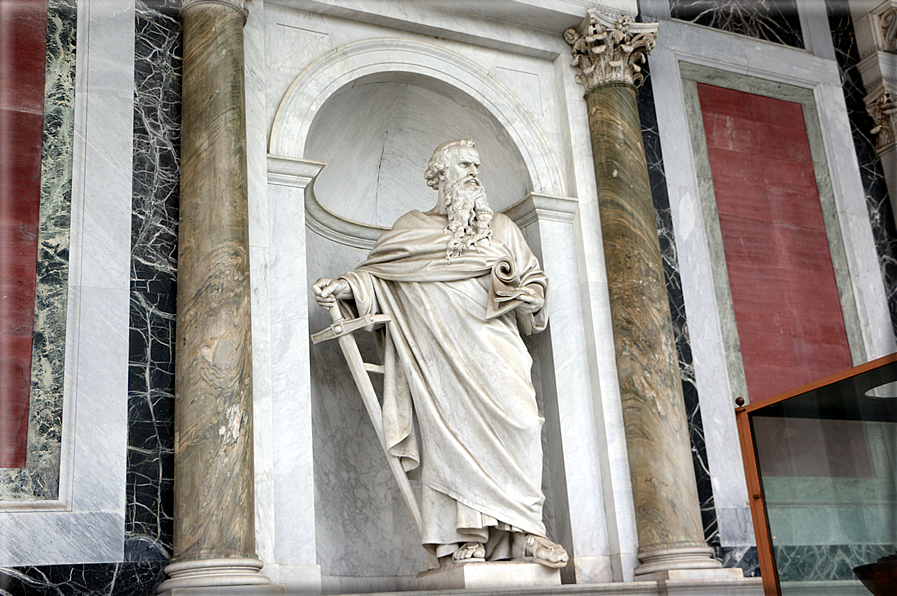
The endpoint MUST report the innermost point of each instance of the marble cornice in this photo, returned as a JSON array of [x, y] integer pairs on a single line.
[[610, 49], [539, 207], [300, 174]]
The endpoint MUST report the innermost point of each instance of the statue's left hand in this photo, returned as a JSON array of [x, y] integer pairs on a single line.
[[532, 299]]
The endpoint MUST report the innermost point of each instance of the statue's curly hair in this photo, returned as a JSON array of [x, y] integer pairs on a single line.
[[440, 160]]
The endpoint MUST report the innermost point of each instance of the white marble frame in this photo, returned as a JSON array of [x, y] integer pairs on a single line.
[[86, 523], [818, 72]]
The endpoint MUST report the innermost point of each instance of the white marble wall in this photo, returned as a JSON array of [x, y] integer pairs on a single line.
[[86, 523]]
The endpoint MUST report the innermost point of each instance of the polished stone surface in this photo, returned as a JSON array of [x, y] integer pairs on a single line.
[[125, 579], [666, 235], [21, 123], [87, 523], [150, 381], [774, 238], [826, 562], [40, 479], [153, 282], [666, 501], [137, 578], [213, 413]]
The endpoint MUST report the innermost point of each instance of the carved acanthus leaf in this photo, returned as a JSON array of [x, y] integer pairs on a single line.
[[610, 51], [883, 110]]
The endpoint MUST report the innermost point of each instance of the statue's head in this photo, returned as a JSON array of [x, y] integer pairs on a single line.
[[451, 161], [453, 171]]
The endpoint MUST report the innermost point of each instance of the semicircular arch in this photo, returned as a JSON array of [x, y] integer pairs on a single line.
[[334, 70]]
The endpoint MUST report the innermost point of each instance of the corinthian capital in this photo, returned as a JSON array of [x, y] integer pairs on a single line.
[[882, 106], [610, 51]]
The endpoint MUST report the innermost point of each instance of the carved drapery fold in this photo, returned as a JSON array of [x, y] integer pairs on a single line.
[[610, 51]]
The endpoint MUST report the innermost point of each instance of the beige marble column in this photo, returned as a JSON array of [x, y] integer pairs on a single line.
[[214, 509], [671, 539]]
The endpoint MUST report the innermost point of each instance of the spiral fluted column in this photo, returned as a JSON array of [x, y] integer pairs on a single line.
[[214, 509], [608, 53]]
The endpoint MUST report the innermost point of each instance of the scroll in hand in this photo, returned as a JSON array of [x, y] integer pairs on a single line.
[[505, 289]]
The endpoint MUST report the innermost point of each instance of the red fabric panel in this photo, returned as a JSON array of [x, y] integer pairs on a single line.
[[783, 287], [23, 26]]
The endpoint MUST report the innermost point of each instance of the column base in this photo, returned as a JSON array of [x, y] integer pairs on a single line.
[[242, 575], [497, 574], [228, 591], [692, 562]]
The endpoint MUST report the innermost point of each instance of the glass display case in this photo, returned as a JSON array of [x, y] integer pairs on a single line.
[[821, 464]]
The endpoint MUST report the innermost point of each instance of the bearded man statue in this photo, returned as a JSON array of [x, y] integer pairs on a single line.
[[460, 284]]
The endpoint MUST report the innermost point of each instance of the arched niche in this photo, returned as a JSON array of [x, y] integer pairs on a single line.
[[377, 133], [373, 111], [350, 89]]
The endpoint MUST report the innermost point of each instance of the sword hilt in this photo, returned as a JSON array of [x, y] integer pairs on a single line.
[[341, 326]]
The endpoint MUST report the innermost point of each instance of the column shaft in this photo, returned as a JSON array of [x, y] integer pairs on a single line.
[[667, 513], [663, 481], [214, 509]]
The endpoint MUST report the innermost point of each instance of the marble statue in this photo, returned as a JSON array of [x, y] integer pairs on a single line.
[[460, 284]]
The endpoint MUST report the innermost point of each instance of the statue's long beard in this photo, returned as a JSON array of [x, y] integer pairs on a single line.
[[469, 217]]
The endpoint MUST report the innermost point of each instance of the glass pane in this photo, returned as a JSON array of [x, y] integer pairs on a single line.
[[827, 461], [770, 20]]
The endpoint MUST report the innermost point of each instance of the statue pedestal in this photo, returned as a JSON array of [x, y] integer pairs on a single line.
[[498, 574]]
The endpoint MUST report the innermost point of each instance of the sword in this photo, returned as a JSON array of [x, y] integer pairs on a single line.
[[342, 329]]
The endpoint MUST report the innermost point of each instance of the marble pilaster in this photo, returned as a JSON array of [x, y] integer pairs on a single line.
[[214, 511], [876, 32], [667, 513]]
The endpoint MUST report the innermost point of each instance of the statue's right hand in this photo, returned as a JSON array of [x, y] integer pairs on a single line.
[[328, 291]]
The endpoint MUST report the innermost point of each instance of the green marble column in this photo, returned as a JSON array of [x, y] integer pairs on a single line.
[[660, 463], [667, 510], [214, 508]]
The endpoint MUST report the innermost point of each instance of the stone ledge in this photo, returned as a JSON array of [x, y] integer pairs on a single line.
[[742, 587], [497, 574]]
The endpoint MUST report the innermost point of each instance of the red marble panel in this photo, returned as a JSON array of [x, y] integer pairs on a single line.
[[22, 58], [787, 310], [23, 35]]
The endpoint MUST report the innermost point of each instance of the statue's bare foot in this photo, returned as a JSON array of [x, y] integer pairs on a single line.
[[538, 549], [469, 552]]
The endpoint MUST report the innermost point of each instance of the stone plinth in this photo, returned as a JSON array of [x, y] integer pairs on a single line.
[[230, 591], [480, 576]]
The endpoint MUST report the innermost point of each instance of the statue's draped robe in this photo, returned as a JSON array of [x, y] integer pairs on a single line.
[[466, 377]]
